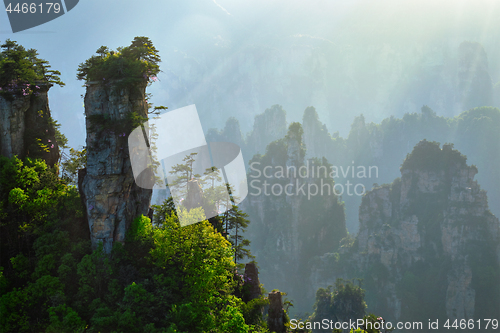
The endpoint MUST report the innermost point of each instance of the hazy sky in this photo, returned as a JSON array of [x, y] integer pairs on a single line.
[[209, 32]]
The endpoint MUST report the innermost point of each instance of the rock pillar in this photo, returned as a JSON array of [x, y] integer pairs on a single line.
[[276, 313], [251, 279], [26, 129], [112, 199]]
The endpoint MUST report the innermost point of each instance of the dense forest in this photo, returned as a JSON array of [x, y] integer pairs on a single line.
[[83, 250], [161, 278]]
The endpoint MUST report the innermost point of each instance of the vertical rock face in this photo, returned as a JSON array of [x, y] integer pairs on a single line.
[[110, 195], [230, 133], [316, 137], [25, 127], [275, 315], [251, 279], [428, 238], [269, 126]]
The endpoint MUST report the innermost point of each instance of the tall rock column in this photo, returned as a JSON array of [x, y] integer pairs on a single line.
[[276, 314], [110, 195]]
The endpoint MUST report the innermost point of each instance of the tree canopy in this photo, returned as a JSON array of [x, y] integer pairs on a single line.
[[165, 278], [134, 63], [22, 71]]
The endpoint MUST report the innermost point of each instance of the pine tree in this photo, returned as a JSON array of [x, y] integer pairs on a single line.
[[238, 222], [183, 173]]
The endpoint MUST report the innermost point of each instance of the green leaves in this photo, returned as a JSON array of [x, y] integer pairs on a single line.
[[21, 71], [17, 197], [70, 322], [344, 302], [135, 63], [165, 278], [37, 220], [203, 260]]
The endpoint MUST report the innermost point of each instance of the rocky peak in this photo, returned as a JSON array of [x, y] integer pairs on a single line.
[[268, 127], [230, 133], [275, 319], [316, 136], [435, 218], [251, 280]]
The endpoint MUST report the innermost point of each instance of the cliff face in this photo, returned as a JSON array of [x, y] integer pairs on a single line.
[[111, 197], [427, 239], [316, 136], [25, 127], [291, 220], [475, 133], [268, 126]]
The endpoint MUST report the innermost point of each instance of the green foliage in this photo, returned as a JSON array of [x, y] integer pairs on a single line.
[[343, 302], [252, 312], [135, 63], [183, 174], [202, 261], [41, 237], [44, 137], [165, 278], [22, 72], [236, 222], [103, 124], [429, 156], [295, 132], [77, 160], [231, 222]]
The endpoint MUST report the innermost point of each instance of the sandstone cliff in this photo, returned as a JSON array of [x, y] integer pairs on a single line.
[[26, 128], [428, 246], [110, 195]]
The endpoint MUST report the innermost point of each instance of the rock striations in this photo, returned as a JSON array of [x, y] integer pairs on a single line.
[[110, 195], [26, 129]]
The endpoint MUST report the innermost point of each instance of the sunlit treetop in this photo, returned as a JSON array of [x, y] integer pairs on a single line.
[[133, 63]]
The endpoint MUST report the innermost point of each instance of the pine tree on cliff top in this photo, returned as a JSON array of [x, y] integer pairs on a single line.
[[21, 70], [130, 64]]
